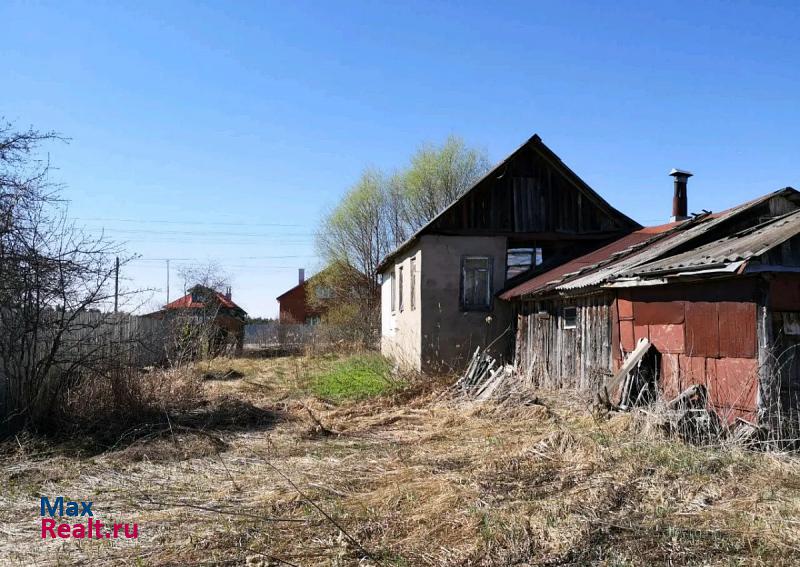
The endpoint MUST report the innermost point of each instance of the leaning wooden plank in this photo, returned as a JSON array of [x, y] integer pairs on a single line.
[[630, 362], [490, 388], [482, 372], [473, 362], [693, 395], [468, 372], [477, 370], [486, 380]]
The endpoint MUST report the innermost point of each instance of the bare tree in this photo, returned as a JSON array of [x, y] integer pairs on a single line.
[[196, 331], [51, 276], [437, 176], [380, 212], [356, 235], [209, 274]]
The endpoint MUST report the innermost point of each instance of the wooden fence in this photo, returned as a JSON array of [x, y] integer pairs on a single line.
[[266, 335], [84, 339]]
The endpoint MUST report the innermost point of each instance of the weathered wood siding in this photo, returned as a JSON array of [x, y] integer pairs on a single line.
[[530, 197], [779, 354], [548, 355], [126, 340]]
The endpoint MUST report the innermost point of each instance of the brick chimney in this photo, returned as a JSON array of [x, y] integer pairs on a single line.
[[680, 203], [301, 276]]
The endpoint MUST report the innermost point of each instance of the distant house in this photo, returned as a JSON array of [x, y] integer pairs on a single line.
[[438, 291], [205, 305], [334, 287], [295, 304]]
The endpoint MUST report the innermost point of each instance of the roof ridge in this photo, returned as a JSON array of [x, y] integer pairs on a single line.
[[548, 155]]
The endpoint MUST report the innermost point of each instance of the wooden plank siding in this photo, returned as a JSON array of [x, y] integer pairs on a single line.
[[529, 197], [551, 356]]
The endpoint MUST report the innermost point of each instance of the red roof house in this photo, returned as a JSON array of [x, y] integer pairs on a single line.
[[202, 304]]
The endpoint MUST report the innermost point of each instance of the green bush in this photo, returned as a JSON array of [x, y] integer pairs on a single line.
[[358, 376]]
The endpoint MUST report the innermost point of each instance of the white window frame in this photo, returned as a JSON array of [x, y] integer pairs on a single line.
[[412, 274], [400, 288], [393, 292]]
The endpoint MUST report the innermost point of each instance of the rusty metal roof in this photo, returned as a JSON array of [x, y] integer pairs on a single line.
[[592, 260], [735, 248], [625, 257]]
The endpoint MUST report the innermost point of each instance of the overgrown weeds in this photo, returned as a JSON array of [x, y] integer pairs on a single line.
[[415, 479], [114, 410]]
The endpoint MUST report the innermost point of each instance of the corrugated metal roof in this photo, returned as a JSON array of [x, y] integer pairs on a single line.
[[559, 274], [735, 248], [623, 257]]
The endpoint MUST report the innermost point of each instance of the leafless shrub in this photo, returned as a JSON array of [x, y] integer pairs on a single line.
[[51, 276], [128, 397]]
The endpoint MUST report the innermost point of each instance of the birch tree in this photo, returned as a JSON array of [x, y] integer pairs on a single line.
[[381, 211], [437, 176]]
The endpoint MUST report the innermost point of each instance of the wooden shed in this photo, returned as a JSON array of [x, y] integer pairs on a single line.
[[717, 296]]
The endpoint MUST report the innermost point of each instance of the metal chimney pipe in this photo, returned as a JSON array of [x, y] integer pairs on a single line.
[[301, 276], [680, 201]]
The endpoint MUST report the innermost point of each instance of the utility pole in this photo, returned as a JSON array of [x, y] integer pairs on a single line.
[[116, 285], [167, 280]]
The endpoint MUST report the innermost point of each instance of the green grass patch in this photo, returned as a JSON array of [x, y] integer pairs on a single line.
[[358, 376]]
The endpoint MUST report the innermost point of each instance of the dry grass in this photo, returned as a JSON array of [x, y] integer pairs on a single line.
[[414, 480]]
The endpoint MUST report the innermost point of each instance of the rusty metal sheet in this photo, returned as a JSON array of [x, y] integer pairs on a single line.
[[711, 373], [741, 289], [702, 329], [784, 292], [627, 336], [615, 340], [667, 338], [625, 308], [737, 329], [693, 370], [670, 376], [640, 332], [659, 312], [733, 390]]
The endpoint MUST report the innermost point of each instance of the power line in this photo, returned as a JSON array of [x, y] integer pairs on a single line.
[[201, 232], [202, 223], [227, 257], [274, 241]]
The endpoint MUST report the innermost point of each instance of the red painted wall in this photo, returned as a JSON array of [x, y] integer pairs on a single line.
[[706, 334], [293, 308]]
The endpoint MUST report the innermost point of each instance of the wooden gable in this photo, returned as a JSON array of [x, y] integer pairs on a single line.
[[531, 193]]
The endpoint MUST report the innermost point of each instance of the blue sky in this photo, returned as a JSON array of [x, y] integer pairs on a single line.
[[241, 123]]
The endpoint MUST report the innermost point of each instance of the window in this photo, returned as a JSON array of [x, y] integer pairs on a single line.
[[413, 274], [476, 283], [519, 260], [400, 287], [323, 292], [391, 287], [570, 317]]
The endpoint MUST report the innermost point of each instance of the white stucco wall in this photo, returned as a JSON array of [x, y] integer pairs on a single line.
[[450, 334], [388, 320], [401, 334], [438, 334]]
